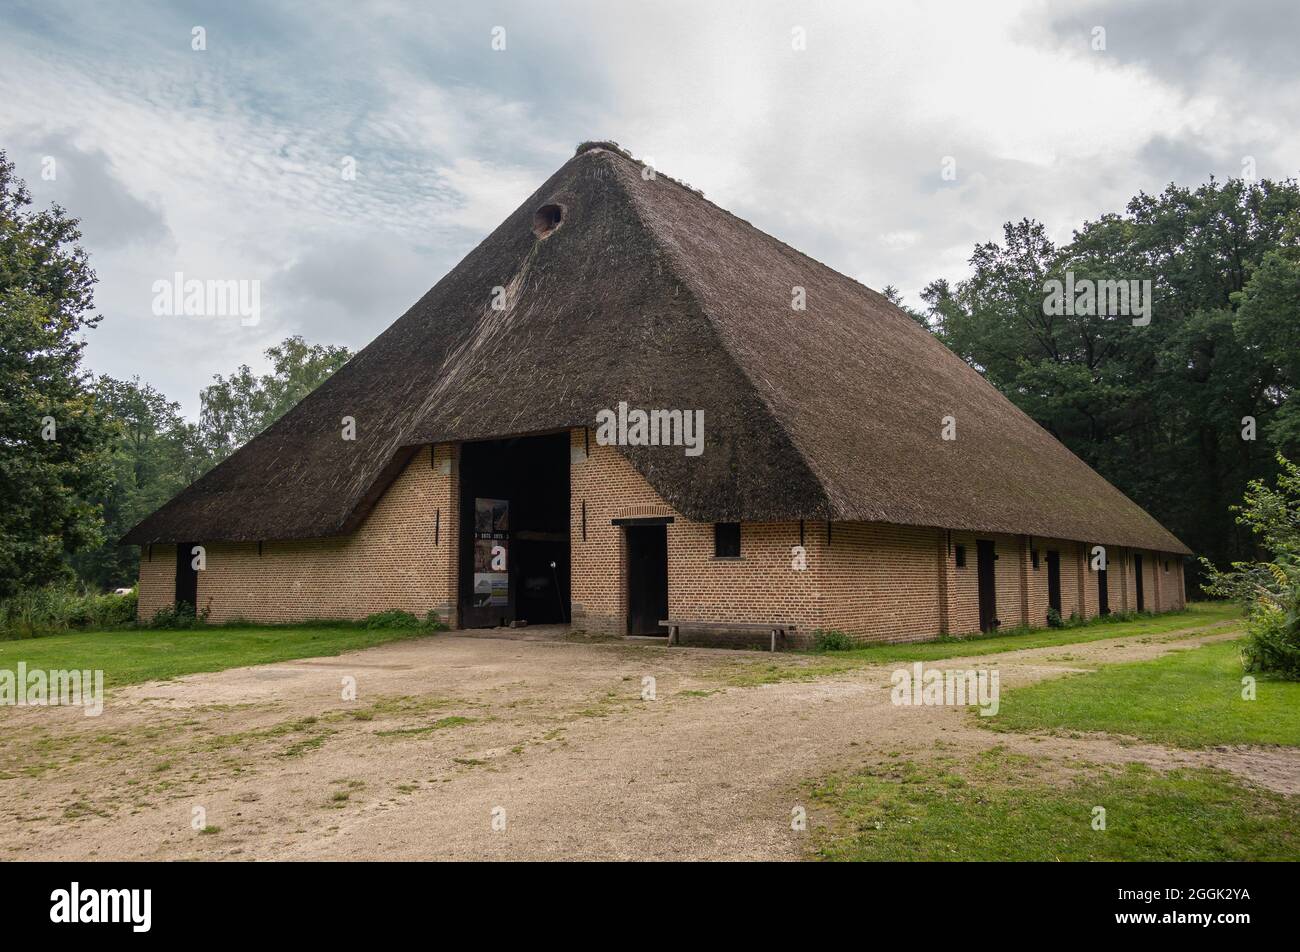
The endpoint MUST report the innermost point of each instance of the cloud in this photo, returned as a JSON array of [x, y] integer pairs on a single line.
[[350, 289], [85, 182], [227, 163], [1192, 44]]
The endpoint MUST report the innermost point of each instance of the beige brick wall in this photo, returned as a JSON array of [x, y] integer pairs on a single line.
[[1036, 581], [876, 582], [391, 562], [762, 585], [604, 486], [157, 580], [1150, 561]]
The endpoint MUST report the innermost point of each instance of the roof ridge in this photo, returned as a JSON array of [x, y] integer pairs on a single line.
[[610, 145]]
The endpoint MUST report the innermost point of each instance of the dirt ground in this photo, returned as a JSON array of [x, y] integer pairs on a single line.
[[551, 743]]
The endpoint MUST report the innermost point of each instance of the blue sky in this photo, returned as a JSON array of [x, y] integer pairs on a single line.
[[225, 163]]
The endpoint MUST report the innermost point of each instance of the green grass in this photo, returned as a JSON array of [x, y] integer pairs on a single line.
[[133, 656], [1187, 699], [438, 725], [1197, 615], [1007, 807]]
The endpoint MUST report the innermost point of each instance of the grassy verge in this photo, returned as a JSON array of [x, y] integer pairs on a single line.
[[133, 656], [1197, 616], [1009, 807], [1188, 699]]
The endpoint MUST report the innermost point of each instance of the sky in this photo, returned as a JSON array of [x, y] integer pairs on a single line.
[[828, 125]]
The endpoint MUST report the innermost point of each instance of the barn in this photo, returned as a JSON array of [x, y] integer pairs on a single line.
[[627, 406]]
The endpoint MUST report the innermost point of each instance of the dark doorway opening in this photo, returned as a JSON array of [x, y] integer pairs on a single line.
[[1137, 572], [514, 539], [1054, 582], [647, 579], [985, 556], [187, 576], [1103, 592]]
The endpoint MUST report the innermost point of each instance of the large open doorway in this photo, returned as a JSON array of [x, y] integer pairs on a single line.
[[647, 579], [1137, 572], [1103, 592], [514, 540], [986, 573], [1054, 582]]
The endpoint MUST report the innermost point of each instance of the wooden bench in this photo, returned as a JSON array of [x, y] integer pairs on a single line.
[[677, 625]]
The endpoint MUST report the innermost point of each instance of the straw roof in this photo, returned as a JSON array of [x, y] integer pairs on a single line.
[[648, 293]]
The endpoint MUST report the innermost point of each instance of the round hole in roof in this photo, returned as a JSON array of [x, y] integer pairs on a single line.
[[546, 219]]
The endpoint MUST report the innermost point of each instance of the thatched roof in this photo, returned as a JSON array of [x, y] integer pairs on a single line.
[[649, 293]]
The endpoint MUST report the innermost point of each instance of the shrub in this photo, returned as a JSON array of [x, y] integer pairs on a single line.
[[1269, 590], [404, 621], [830, 639], [53, 609], [117, 611], [1054, 619], [1274, 642], [178, 616], [391, 619]]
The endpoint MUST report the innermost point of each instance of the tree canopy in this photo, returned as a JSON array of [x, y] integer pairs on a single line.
[[1179, 413], [54, 441]]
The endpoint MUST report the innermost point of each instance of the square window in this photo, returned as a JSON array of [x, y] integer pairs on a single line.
[[726, 540]]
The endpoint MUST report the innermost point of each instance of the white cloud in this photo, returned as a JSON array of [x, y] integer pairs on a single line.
[[226, 163]]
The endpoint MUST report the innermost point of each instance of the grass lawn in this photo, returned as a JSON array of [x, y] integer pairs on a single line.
[[1009, 807], [1187, 699], [1198, 615], [135, 655]]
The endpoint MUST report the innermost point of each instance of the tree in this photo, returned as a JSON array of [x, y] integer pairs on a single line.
[[155, 452], [237, 408], [895, 297], [1162, 409], [153, 458], [54, 442]]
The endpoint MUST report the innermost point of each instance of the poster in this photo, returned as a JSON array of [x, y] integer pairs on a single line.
[[491, 553]]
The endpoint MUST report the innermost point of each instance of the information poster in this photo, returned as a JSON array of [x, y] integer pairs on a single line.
[[491, 552]]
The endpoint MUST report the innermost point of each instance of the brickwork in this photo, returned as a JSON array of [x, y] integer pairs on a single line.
[[391, 562], [1036, 602], [875, 582], [878, 582], [157, 580], [603, 486]]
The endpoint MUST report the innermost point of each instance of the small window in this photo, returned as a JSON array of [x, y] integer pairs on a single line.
[[726, 540], [1034, 554], [960, 552]]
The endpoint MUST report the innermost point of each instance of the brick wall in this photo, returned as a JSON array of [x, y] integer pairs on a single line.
[[762, 585], [157, 580], [602, 486], [391, 562], [876, 582]]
